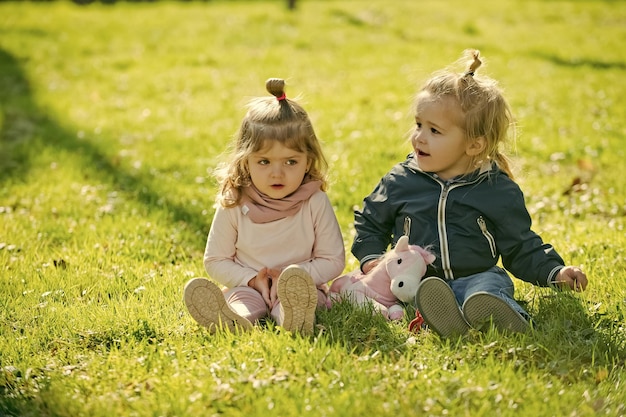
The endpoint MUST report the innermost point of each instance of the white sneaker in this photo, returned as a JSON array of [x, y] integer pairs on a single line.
[[298, 299], [483, 308], [207, 305], [438, 306]]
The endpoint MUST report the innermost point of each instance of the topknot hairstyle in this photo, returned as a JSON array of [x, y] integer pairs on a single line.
[[276, 87], [475, 63], [270, 119]]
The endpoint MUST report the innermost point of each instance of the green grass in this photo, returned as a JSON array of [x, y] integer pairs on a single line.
[[113, 117]]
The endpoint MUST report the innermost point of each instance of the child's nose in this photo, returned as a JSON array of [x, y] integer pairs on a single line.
[[423, 136], [277, 170]]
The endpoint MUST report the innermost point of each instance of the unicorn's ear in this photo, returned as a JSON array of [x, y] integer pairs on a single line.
[[403, 244]]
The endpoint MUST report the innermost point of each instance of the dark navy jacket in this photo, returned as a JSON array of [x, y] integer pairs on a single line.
[[468, 222]]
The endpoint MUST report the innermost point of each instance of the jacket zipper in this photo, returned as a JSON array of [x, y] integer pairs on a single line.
[[446, 187], [443, 235], [483, 228]]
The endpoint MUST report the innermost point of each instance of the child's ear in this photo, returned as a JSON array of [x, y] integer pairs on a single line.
[[476, 146]]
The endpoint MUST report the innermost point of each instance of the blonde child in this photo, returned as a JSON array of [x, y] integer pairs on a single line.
[[274, 241], [455, 194]]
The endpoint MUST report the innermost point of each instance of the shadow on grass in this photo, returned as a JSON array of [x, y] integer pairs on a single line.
[[361, 330], [567, 335], [26, 130], [581, 62], [580, 333], [566, 341]]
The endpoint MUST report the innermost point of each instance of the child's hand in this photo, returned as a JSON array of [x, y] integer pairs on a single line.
[[572, 278], [273, 274], [369, 265], [263, 284]]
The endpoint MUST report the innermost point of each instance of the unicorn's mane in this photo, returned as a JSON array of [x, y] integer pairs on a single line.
[[385, 258]]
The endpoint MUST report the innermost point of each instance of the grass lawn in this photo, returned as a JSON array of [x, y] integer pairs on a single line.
[[112, 118]]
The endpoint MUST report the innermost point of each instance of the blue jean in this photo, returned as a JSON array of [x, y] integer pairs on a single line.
[[495, 281]]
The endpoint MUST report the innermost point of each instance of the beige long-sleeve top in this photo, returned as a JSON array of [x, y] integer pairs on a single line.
[[237, 248]]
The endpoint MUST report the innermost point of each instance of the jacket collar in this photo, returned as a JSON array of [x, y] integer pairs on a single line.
[[487, 168]]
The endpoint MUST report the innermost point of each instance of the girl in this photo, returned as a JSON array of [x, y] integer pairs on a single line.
[[455, 194], [274, 241]]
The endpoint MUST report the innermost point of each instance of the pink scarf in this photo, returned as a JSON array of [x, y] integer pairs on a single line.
[[262, 209]]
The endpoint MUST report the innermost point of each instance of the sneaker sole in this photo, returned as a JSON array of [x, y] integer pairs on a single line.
[[207, 305], [298, 296], [483, 308], [437, 305]]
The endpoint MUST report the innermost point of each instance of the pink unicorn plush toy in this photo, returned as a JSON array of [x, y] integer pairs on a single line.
[[396, 277]]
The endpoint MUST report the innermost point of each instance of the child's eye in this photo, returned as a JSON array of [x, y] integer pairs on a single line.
[[263, 162], [433, 130], [418, 124], [291, 162]]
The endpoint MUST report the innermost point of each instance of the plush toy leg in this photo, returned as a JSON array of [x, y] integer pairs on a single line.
[[380, 309], [396, 312], [362, 300], [339, 283]]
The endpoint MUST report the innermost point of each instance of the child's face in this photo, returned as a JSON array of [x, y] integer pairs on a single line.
[[277, 170], [440, 144]]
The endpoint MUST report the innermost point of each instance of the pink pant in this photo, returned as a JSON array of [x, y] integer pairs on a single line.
[[248, 303]]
